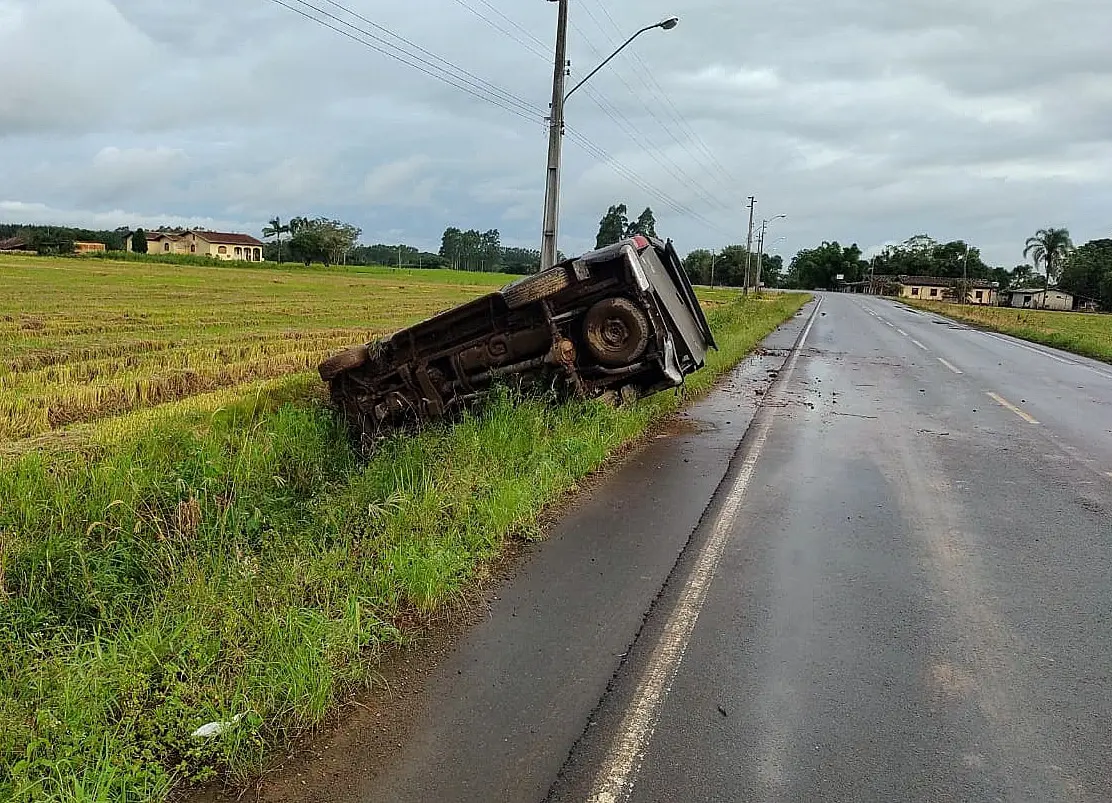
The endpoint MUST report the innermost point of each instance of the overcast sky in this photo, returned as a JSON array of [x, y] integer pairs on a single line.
[[864, 121]]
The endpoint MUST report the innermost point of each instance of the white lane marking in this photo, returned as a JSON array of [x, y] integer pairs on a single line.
[[1030, 419], [901, 331], [619, 771], [1108, 474], [1025, 347], [889, 323], [951, 367], [920, 345], [1045, 353]]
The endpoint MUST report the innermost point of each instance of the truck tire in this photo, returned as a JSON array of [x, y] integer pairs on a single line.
[[344, 361], [617, 332], [536, 287]]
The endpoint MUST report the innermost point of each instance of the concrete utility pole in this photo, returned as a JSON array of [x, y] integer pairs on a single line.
[[749, 245], [555, 142], [965, 276], [761, 246], [556, 125], [760, 254], [713, 258]]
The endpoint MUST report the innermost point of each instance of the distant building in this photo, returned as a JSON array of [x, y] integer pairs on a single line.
[[940, 288], [88, 248], [15, 244], [1041, 298], [217, 245]]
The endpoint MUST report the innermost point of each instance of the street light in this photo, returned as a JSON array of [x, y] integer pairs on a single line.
[[556, 125], [665, 25], [761, 245]]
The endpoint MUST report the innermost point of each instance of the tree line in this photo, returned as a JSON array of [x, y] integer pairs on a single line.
[[1084, 271], [61, 239]]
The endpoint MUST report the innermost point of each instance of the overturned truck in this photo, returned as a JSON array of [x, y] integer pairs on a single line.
[[621, 322]]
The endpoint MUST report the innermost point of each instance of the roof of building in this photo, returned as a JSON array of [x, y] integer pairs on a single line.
[[1034, 290], [220, 238], [12, 244], [943, 281]]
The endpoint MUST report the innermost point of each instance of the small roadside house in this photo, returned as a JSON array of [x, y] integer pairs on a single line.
[[1041, 298], [940, 288]]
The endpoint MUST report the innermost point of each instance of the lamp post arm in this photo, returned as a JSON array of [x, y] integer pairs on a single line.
[[609, 59]]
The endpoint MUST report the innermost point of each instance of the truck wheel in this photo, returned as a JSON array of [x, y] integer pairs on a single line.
[[536, 287], [344, 361], [617, 331]]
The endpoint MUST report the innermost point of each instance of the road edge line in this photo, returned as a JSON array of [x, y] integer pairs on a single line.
[[615, 779]]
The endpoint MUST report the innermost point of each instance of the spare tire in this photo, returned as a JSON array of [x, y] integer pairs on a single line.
[[617, 332], [344, 361], [536, 287]]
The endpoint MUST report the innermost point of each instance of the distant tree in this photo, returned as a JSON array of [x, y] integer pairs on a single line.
[[139, 241], [276, 229], [1021, 276], [698, 265], [613, 226], [644, 225], [322, 240], [1088, 272], [1049, 249], [818, 268], [772, 268]]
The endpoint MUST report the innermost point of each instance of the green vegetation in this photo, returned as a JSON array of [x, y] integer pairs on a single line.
[[223, 556], [1082, 333]]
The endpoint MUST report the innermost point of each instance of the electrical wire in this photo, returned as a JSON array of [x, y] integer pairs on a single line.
[[648, 105], [461, 79], [408, 43], [630, 175], [413, 55], [535, 46], [707, 160], [676, 115]]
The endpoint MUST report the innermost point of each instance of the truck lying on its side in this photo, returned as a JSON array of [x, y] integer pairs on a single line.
[[620, 322]]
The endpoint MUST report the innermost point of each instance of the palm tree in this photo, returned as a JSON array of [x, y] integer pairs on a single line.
[[1049, 248], [276, 229]]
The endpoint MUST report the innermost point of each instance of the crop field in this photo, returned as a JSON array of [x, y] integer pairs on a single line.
[[82, 340], [1087, 334], [186, 536]]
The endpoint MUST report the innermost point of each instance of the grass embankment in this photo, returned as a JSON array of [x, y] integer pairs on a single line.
[[226, 556], [1082, 333]]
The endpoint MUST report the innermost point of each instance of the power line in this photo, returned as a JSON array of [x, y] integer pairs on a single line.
[[690, 180], [618, 167], [535, 46], [464, 81], [408, 43], [719, 170], [631, 131], [458, 78]]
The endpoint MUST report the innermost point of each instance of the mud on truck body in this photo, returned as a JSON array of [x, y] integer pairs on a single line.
[[620, 323]]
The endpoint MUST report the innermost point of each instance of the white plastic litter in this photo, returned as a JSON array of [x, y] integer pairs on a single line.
[[215, 728]]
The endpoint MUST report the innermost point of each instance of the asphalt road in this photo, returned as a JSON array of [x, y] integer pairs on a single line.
[[891, 582]]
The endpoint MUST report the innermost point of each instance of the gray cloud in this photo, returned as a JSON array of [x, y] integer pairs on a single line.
[[862, 120]]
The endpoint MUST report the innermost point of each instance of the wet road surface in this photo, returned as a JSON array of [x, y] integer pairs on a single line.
[[892, 581]]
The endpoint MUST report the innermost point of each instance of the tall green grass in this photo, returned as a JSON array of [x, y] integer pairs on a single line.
[[1082, 333], [205, 564]]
